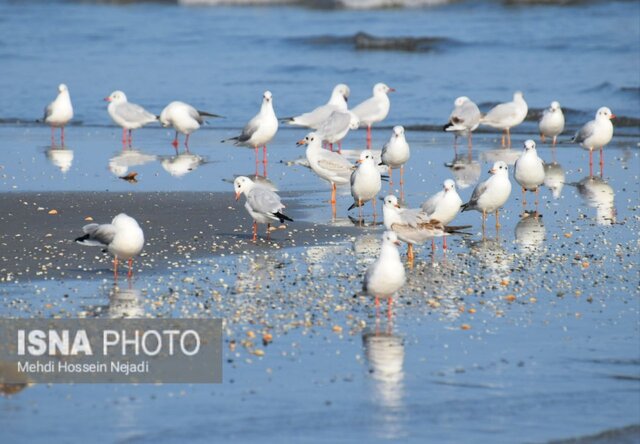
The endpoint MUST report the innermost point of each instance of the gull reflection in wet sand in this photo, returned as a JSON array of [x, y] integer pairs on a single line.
[[384, 352], [465, 169], [124, 302], [182, 164], [120, 163], [60, 157], [530, 234], [554, 178], [598, 194], [490, 256]]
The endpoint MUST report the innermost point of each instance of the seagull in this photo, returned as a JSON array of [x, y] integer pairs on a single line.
[[123, 238], [489, 196], [315, 118], [59, 112], [464, 119], [395, 153], [365, 182], [260, 130], [336, 127], [443, 206], [375, 109], [412, 226], [529, 171], [184, 118], [128, 115], [595, 134], [386, 275], [551, 123], [330, 166], [262, 204], [507, 115]]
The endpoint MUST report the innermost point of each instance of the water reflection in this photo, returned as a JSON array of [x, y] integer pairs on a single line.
[[530, 234], [598, 194], [119, 164], [124, 302], [554, 178], [465, 169], [8, 370], [60, 157], [491, 257], [508, 156], [384, 352], [182, 164]]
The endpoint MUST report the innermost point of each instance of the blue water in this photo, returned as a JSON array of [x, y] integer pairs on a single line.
[[561, 365]]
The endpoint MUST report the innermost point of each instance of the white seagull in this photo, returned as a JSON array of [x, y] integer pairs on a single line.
[[507, 115], [184, 118], [59, 112], [395, 153], [128, 115], [260, 130], [595, 134], [262, 204], [412, 226], [375, 109], [443, 206], [315, 118], [386, 275], [123, 238], [489, 196], [464, 119], [330, 166], [551, 123], [365, 182], [529, 171], [336, 127]]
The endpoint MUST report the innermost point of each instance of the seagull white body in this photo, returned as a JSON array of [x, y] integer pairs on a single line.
[[396, 152], [376, 108], [365, 180], [262, 204], [315, 118], [59, 112], [412, 226], [551, 123], [529, 168], [330, 166], [126, 114], [464, 118], [123, 237], [337, 125], [507, 115], [183, 117], [262, 128], [443, 206], [493, 193], [386, 275], [596, 133]]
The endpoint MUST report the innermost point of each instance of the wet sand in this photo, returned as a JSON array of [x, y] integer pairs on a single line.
[[178, 226]]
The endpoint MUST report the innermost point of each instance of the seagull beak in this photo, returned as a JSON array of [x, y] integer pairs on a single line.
[[346, 99], [107, 99], [392, 90], [301, 142], [359, 161], [397, 243], [492, 171], [238, 195], [613, 116], [397, 205]]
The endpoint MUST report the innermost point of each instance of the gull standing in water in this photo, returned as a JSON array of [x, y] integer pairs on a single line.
[[262, 204], [395, 153], [336, 127], [507, 115], [443, 207], [595, 134], [260, 130], [529, 171], [551, 123], [365, 183], [59, 112], [489, 196], [184, 118], [464, 119], [375, 109], [386, 275], [412, 226], [315, 118], [123, 238], [330, 166], [128, 115]]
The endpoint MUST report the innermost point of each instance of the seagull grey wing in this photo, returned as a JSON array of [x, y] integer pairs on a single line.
[[337, 122], [585, 132], [468, 113], [410, 217], [48, 110], [249, 130], [366, 108], [501, 112], [194, 114], [429, 206], [333, 162], [134, 113], [97, 235], [477, 192], [264, 200]]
